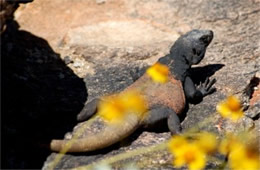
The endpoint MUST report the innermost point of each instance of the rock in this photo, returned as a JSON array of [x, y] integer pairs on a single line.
[[108, 43], [254, 111], [118, 34], [39, 89], [8, 8]]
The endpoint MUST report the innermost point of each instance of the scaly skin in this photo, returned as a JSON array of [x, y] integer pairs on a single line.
[[165, 101]]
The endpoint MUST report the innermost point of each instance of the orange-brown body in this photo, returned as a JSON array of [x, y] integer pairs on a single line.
[[169, 94]]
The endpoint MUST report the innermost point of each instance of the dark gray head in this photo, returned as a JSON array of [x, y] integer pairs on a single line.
[[192, 45]]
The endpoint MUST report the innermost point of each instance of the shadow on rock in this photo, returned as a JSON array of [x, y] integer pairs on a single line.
[[41, 98], [199, 74]]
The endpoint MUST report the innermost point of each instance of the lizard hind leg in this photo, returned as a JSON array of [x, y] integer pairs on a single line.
[[88, 110]]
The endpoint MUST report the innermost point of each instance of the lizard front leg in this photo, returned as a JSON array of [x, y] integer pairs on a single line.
[[174, 123], [195, 95]]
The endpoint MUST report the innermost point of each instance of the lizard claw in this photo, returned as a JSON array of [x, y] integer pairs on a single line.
[[206, 87]]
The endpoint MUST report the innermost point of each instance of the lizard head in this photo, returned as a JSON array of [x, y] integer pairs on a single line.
[[192, 45]]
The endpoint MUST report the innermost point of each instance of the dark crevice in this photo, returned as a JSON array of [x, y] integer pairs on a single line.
[[250, 88], [256, 117]]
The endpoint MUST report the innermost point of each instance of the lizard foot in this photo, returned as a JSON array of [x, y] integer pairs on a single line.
[[206, 87]]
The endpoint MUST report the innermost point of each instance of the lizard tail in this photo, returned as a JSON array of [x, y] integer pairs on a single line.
[[111, 134]]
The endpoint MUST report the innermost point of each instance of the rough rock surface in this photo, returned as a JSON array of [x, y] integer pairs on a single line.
[[8, 8], [108, 42]]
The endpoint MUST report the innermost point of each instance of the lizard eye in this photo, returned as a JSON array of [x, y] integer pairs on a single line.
[[204, 39]]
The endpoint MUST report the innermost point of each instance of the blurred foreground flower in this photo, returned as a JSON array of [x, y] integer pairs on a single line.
[[230, 108], [192, 156], [207, 142], [115, 108], [158, 72], [228, 143], [192, 152], [240, 155]]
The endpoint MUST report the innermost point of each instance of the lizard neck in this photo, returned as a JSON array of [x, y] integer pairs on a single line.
[[177, 64], [179, 68]]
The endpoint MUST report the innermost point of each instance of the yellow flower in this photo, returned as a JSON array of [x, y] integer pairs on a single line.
[[230, 108], [240, 155], [192, 155], [207, 142], [176, 143], [227, 144], [158, 72], [244, 157], [115, 108], [186, 152]]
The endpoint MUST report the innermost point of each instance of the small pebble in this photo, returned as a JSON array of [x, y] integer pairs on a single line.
[[67, 60], [77, 64], [100, 1]]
